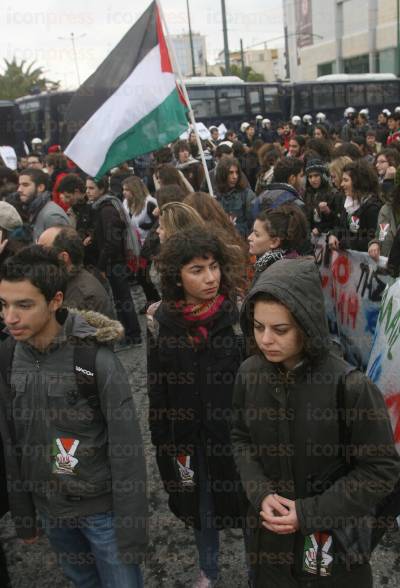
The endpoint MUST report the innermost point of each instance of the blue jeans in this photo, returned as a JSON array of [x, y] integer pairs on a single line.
[[207, 539], [87, 552]]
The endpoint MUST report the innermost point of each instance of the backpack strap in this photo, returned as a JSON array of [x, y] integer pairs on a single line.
[[7, 348], [85, 372]]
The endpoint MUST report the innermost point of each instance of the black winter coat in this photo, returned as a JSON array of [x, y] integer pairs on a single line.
[[108, 236], [324, 222], [190, 394], [285, 434], [361, 226]]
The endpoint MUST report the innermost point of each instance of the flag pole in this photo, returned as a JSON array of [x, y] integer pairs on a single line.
[[177, 70]]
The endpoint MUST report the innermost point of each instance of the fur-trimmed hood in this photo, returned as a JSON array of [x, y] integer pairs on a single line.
[[84, 324]]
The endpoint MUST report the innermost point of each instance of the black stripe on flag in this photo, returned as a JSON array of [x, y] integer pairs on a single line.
[[113, 71]]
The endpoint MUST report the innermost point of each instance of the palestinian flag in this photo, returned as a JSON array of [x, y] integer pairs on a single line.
[[131, 104]]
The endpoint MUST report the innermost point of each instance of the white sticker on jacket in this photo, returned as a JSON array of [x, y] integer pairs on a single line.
[[383, 231], [355, 224], [63, 451], [313, 543], [185, 471]]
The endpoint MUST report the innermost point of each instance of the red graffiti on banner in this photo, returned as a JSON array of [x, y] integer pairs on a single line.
[[393, 404], [324, 281], [348, 306], [341, 269]]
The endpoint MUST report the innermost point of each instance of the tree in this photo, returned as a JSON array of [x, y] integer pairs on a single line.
[[20, 79], [249, 74]]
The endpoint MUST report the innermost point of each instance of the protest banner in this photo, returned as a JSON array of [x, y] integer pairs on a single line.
[[353, 286], [384, 365]]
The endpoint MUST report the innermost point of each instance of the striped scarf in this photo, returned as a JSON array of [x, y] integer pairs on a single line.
[[198, 317]]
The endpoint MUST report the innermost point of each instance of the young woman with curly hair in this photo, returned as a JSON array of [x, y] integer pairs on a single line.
[[194, 355], [362, 205]]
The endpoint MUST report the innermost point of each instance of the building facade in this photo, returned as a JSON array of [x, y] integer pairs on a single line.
[[181, 44], [340, 36], [269, 63]]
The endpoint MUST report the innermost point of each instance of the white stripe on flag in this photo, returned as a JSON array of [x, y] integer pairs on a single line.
[[144, 90]]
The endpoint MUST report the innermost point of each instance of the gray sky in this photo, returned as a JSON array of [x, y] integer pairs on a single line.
[[31, 30]]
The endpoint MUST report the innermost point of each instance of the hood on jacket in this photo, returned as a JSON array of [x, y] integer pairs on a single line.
[[276, 195], [296, 284], [84, 324]]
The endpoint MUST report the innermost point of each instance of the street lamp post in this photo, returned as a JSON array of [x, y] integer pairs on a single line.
[[72, 38], [191, 39], [226, 44]]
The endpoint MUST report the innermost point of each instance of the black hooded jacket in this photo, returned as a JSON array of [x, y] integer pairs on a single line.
[[285, 429]]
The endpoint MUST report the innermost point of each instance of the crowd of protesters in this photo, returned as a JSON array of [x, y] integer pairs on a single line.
[[237, 348]]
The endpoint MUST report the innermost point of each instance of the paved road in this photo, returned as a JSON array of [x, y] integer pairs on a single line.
[[172, 559]]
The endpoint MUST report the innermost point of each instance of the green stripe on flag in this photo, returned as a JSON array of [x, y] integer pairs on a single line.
[[161, 126]]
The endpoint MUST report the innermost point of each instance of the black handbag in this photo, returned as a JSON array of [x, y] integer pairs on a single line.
[[355, 543]]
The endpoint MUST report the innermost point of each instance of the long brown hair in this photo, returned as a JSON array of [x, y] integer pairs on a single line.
[[214, 215], [139, 191], [168, 174], [221, 175], [178, 216]]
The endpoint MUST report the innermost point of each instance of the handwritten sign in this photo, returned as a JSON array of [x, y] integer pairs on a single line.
[[353, 286], [384, 365]]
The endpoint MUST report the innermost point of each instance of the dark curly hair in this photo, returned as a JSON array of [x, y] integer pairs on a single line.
[[182, 247], [288, 223], [364, 178]]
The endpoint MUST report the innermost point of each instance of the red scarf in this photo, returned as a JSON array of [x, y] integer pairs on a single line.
[[197, 317]]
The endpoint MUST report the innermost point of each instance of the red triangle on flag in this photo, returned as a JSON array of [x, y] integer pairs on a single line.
[[181, 96], [166, 66]]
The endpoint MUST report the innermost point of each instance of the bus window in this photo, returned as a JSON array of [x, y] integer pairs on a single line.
[[323, 96], [304, 100], [340, 96], [390, 93], [203, 102], [231, 101], [253, 97], [356, 95], [374, 94], [271, 99]]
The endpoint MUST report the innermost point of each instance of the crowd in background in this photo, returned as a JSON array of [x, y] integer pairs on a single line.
[[197, 246]]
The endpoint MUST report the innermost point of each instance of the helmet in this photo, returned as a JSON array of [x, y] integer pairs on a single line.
[[244, 126], [397, 109], [36, 141], [259, 117], [307, 119], [365, 111], [350, 111], [213, 128], [266, 122], [386, 112], [296, 120], [320, 117]]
